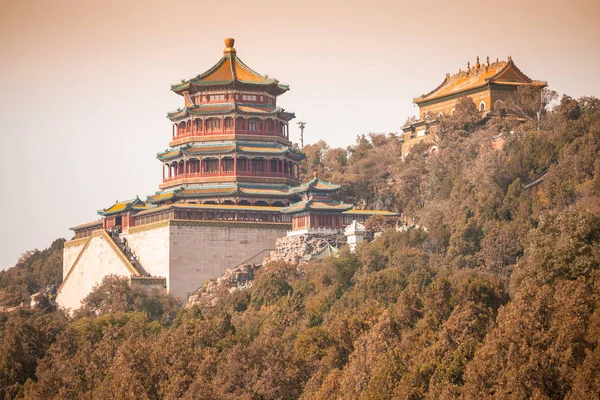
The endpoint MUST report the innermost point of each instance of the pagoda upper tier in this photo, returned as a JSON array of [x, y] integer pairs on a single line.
[[230, 71]]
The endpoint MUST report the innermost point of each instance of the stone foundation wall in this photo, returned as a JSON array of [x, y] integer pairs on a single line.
[[200, 251]]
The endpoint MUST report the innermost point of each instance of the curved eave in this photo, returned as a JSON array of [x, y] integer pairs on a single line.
[[87, 225], [169, 155], [383, 213], [233, 108], [109, 213], [273, 88]]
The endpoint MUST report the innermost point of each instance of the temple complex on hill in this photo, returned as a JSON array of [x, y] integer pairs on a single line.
[[488, 85], [230, 188]]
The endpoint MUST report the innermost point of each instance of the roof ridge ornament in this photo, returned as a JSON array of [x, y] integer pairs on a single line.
[[229, 49]]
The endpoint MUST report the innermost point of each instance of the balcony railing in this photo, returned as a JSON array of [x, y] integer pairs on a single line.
[[228, 131], [207, 174]]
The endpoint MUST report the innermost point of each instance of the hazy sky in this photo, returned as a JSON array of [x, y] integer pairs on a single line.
[[85, 85]]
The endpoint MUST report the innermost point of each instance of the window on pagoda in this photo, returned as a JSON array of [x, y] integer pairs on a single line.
[[227, 164], [252, 125], [258, 166], [211, 166], [240, 124], [216, 97], [228, 123], [181, 129], [269, 125], [213, 124], [482, 106], [249, 97]]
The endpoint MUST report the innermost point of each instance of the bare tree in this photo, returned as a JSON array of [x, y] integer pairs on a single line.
[[531, 102]]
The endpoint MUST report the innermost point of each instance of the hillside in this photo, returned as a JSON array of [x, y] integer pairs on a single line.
[[498, 295]]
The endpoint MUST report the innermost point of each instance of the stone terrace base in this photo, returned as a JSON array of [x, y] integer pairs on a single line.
[[182, 252]]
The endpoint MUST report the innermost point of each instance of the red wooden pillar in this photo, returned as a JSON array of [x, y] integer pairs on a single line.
[[269, 166], [235, 165], [201, 167], [220, 166], [250, 162]]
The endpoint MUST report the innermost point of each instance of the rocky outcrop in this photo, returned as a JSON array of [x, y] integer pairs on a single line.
[[302, 248], [237, 278]]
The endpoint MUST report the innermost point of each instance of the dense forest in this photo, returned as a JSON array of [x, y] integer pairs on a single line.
[[494, 294]]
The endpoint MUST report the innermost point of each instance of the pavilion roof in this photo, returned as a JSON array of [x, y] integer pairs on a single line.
[[499, 72], [316, 185], [384, 213], [229, 70], [316, 205], [124, 206], [87, 225]]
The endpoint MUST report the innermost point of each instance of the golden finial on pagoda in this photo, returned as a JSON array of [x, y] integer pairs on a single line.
[[229, 45], [477, 65]]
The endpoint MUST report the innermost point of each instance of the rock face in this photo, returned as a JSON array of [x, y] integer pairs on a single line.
[[237, 278], [302, 248]]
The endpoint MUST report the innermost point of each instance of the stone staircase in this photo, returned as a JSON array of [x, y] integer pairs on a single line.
[[131, 256]]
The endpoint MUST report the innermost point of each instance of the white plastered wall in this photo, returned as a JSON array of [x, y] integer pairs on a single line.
[[97, 261], [70, 253], [152, 250]]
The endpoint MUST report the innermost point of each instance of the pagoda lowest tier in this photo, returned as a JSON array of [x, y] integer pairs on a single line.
[[230, 161]]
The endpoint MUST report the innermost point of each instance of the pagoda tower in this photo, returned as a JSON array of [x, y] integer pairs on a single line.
[[230, 141]]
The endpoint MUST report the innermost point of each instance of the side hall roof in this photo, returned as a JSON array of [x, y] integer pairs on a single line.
[[477, 76], [316, 205], [124, 206], [315, 185]]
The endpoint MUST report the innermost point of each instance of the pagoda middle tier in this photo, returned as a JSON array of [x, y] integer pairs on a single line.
[[230, 142]]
